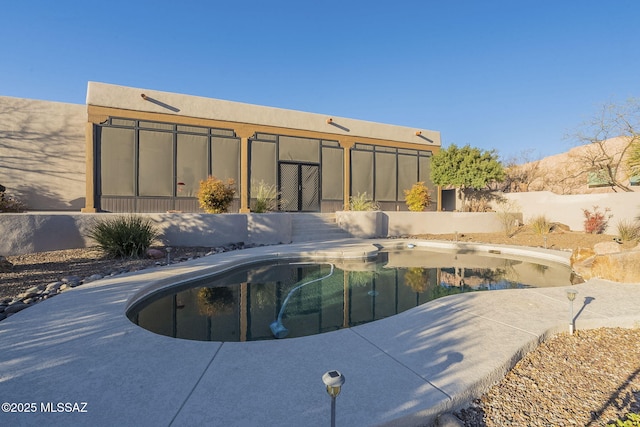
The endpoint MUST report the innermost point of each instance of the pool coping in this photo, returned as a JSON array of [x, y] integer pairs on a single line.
[[403, 370]]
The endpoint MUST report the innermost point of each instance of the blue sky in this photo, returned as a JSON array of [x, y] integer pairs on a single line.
[[513, 76]]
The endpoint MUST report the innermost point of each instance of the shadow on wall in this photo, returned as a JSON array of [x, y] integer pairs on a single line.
[[43, 153], [38, 195]]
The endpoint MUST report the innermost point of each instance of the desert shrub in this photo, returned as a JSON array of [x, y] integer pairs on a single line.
[[418, 197], [628, 230], [596, 221], [631, 420], [215, 196], [363, 203], [541, 225], [509, 216], [10, 203], [123, 236], [266, 198]]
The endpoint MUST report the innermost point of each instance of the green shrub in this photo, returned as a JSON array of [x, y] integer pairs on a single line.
[[541, 225], [418, 197], [363, 203], [596, 222], [632, 420], [266, 198], [628, 230], [215, 196], [123, 236]]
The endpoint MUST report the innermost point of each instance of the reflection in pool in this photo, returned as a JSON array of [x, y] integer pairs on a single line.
[[294, 299]]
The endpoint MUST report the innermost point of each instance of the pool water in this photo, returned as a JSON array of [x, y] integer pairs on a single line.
[[294, 299]]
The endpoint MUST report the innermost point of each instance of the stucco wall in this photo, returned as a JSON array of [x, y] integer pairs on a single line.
[[391, 224], [42, 153], [568, 209], [39, 232]]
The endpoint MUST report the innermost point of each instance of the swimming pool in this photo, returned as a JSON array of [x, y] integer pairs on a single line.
[[295, 298]]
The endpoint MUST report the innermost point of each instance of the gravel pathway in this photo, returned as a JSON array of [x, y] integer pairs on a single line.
[[591, 378]]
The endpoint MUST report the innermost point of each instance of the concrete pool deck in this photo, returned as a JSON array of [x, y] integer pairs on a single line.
[[79, 347]]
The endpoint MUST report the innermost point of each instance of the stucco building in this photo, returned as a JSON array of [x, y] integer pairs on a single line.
[[144, 150]]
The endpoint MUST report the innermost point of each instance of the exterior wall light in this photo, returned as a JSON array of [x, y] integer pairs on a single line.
[[334, 381], [144, 96], [329, 120], [418, 133], [571, 296]]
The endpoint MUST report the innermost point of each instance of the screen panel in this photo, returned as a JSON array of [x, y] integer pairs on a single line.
[[117, 156], [332, 174], [191, 164], [298, 149], [385, 177], [155, 177], [361, 173]]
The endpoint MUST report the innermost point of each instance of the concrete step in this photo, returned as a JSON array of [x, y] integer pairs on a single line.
[[314, 226]]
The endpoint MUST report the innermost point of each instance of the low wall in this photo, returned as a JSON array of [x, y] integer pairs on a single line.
[[568, 209], [39, 232], [391, 224]]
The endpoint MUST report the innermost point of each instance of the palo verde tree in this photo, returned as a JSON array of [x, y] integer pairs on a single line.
[[633, 162], [612, 163], [466, 168]]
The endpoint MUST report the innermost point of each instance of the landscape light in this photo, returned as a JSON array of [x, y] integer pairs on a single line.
[[334, 381], [571, 296]]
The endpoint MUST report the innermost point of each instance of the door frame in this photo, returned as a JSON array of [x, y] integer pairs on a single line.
[[300, 186]]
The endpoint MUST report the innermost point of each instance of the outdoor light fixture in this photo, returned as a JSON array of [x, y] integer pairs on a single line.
[[329, 120], [334, 381], [418, 133], [168, 249], [144, 96], [571, 296]]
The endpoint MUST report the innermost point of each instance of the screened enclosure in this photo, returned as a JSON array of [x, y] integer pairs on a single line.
[[383, 173], [156, 167], [147, 166]]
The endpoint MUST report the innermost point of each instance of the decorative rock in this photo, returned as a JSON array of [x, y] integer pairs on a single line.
[[581, 254], [72, 281], [92, 278], [3, 316], [606, 248], [53, 286], [155, 253], [619, 267], [5, 265], [16, 307]]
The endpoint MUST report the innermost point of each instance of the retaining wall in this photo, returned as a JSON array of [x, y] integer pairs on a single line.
[[38, 232]]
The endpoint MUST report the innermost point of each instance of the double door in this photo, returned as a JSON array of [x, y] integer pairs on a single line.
[[299, 187]]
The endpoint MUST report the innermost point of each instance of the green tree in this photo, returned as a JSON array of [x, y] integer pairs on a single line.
[[466, 168]]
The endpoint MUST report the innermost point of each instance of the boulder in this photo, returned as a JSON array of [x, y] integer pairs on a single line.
[[5, 265], [155, 253], [580, 255], [619, 267], [607, 248]]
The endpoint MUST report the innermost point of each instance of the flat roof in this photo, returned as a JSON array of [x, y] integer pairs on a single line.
[[154, 101]]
